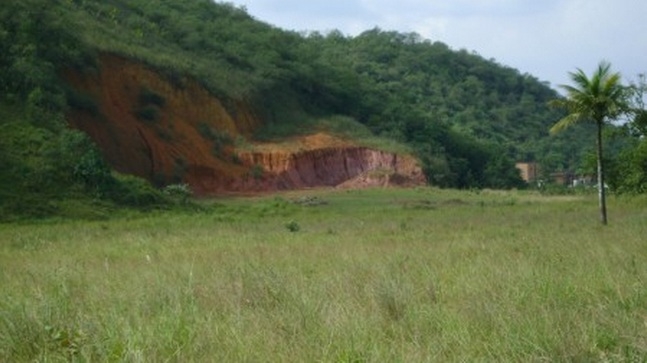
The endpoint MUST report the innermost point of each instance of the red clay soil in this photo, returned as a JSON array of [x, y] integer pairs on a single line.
[[185, 134]]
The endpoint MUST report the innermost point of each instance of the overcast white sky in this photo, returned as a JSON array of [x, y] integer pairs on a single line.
[[545, 38]]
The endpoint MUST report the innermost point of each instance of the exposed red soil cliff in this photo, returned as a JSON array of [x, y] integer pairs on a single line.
[[165, 132]]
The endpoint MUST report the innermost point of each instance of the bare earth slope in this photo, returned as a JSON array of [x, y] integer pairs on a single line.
[[178, 132]]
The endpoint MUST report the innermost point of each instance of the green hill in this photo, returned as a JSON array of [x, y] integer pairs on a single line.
[[465, 117]]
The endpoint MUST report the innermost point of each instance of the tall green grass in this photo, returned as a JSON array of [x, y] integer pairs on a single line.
[[370, 276]]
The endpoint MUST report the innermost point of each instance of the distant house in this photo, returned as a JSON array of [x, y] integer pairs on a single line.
[[563, 178], [584, 180], [529, 171]]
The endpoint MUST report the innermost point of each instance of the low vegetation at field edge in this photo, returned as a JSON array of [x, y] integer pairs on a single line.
[[361, 276]]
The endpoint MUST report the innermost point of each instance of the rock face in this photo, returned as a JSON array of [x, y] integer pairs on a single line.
[[346, 167], [172, 132]]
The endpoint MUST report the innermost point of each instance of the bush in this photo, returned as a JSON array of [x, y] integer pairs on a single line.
[[220, 139], [148, 97], [178, 192], [82, 102], [133, 191], [147, 113], [629, 173], [293, 226], [27, 206]]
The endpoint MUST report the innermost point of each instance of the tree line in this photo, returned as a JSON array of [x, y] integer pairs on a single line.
[[467, 118]]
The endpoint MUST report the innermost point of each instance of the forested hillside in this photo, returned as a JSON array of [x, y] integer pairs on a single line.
[[467, 118]]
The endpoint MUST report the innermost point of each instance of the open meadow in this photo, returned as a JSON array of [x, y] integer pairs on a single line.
[[382, 275]]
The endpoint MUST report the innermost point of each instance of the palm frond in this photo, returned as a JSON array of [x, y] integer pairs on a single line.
[[571, 90], [569, 104], [598, 98], [566, 122], [604, 67], [612, 87], [558, 103], [580, 80]]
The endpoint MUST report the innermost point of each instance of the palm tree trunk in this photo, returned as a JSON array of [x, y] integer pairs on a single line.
[[601, 190]]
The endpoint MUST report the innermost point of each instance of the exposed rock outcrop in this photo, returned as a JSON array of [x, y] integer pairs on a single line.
[[177, 131], [348, 166]]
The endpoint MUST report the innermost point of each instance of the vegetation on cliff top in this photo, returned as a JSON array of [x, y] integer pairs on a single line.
[[467, 118]]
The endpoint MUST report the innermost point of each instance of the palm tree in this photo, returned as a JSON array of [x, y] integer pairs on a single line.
[[601, 98]]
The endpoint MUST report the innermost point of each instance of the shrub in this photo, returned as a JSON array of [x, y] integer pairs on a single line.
[[220, 139], [147, 113], [148, 97], [293, 226], [629, 174], [178, 192], [135, 192], [82, 102]]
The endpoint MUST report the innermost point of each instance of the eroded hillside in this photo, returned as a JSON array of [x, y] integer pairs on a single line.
[[176, 131]]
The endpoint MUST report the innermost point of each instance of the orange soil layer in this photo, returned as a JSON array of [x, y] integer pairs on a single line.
[[165, 138]]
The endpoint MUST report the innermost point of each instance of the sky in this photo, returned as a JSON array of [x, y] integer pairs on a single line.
[[544, 38]]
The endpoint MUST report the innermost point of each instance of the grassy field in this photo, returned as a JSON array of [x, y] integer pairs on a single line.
[[420, 275]]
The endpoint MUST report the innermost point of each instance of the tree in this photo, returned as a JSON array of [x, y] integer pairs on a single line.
[[638, 125], [599, 99], [629, 173]]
